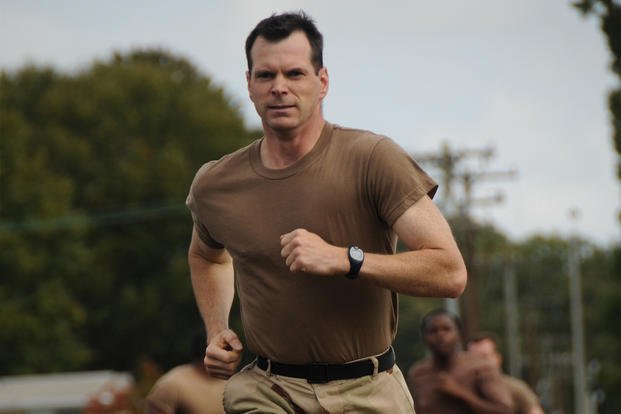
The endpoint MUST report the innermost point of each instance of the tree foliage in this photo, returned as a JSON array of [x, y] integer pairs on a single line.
[[94, 171], [602, 288], [540, 266], [609, 14]]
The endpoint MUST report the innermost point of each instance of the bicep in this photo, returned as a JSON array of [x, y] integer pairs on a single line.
[[422, 226], [200, 251]]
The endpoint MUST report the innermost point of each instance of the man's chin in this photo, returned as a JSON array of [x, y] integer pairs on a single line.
[[445, 350], [282, 125]]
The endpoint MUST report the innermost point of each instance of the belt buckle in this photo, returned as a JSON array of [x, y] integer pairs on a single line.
[[317, 373]]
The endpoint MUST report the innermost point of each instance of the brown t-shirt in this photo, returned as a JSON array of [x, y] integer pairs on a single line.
[[475, 374], [349, 189]]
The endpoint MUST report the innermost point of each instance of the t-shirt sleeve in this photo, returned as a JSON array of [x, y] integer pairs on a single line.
[[193, 205], [395, 180]]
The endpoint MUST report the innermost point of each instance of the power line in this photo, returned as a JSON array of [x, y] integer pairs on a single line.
[[143, 213]]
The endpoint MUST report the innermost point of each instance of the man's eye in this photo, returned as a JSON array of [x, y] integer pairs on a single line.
[[296, 74], [263, 75]]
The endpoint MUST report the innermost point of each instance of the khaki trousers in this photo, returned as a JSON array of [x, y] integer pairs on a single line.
[[253, 390]]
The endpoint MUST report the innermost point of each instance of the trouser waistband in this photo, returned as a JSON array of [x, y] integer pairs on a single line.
[[322, 373]]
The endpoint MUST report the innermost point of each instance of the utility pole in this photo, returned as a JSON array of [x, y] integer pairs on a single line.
[[449, 162], [577, 332], [456, 165], [511, 316]]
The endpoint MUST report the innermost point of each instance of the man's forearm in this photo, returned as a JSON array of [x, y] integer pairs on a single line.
[[427, 272], [213, 285]]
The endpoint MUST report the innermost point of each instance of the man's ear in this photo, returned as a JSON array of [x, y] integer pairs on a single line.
[[248, 83], [325, 81]]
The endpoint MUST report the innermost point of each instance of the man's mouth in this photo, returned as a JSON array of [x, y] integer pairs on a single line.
[[442, 345]]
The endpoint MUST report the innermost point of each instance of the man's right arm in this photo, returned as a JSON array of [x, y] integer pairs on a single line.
[[212, 281], [489, 405]]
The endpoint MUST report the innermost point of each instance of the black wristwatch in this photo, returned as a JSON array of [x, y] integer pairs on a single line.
[[356, 258]]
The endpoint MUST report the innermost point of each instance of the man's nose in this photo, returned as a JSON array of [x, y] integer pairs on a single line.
[[279, 86]]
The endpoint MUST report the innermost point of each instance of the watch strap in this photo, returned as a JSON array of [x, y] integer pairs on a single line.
[[354, 264]]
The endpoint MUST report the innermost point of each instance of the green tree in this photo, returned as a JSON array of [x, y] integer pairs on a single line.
[[38, 311], [94, 170], [609, 14], [601, 270], [542, 287]]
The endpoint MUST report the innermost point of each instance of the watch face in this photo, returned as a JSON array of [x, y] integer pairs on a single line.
[[356, 253]]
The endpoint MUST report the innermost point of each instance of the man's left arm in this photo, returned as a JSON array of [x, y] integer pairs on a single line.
[[433, 266]]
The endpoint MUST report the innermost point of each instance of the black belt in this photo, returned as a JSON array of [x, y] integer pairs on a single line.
[[321, 373]]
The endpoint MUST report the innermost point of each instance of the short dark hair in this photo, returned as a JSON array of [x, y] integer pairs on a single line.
[[280, 26], [439, 311]]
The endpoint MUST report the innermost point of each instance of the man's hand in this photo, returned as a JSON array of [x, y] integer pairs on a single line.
[[448, 385], [306, 252], [223, 354]]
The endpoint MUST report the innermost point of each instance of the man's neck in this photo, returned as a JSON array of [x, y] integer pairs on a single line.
[[281, 149], [445, 362]]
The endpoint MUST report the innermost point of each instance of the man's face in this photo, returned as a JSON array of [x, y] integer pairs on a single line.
[[485, 348], [441, 336], [283, 84]]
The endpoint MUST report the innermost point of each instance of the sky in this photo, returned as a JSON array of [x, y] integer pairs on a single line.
[[526, 78]]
